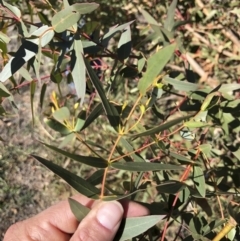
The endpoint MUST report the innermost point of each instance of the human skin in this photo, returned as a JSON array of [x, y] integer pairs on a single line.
[[58, 223]]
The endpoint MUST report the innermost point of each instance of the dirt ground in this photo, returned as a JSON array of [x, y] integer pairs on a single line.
[[26, 187]]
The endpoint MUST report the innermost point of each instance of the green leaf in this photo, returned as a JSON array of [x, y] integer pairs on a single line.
[[4, 91], [229, 87], [79, 210], [61, 114], [78, 68], [64, 19], [97, 111], [181, 158], [32, 92], [180, 85], [13, 9], [171, 187], [88, 160], [53, 124], [112, 32], [148, 17], [4, 38], [144, 166], [199, 180], [155, 65], [42, 94], [135, 156], [162, 127], [169, 21], [27, 50], [110, 110], [67, 140], [196, 124], [72, 179], [84, 8], [131, 227], [97, 177], [124, 44], [25, 74]]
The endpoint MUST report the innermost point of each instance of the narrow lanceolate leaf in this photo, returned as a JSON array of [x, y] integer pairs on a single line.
[[4, 91], [88, 160], [131, 227], [144, 166], [42, 94], [169, 22], [79, 210], [155, 65], [199, 180], [27, 50], [163, 127], [65, 19], [124, 44], [72, 179], [111, 112], [148, 17], [78, 69], [180, 85], [32, 92]]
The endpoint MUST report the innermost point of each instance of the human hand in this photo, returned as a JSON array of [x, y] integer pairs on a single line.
[[58, 223]]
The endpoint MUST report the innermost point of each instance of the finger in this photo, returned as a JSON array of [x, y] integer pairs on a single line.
[[26, 231], [101, 223]]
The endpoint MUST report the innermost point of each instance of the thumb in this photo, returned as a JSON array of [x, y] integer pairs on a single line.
[[101, 223]]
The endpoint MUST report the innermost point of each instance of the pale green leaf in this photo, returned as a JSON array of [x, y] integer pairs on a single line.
[[64, 19], [155, 65], [180, 85], [132, 227], [61, 114], [78, 69]]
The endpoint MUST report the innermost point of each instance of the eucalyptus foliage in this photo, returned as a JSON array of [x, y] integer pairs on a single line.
[[169, 132]]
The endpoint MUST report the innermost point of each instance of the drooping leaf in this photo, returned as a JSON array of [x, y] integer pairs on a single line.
[[78, 68], [4, 91], [72, 179], [171, 187], [124, 44], [155, 65], [42, 94], [131, 227], [88, 160], [180, 85], [169, 21], [97, 177], [144, 166], [80, 211], [199, 180], [32, 92], [135, 156], [162, 127], [110, 110], [97, 111]]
